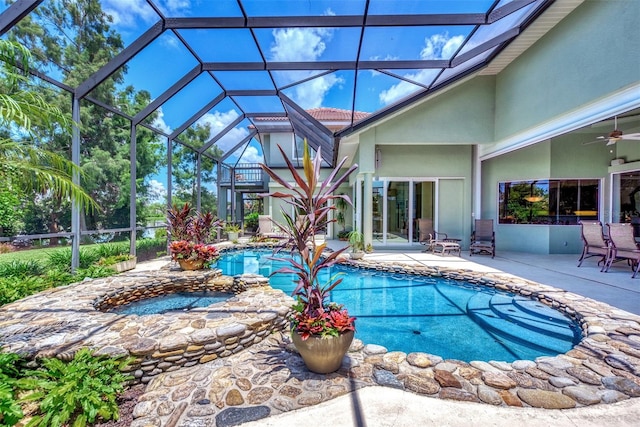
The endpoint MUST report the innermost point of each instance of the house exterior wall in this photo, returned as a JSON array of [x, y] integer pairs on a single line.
[[592, 53], [565, 70]]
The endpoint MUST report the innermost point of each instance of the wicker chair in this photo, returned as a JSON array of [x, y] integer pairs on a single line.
[[593, 242], [483, 238], [623, 246]]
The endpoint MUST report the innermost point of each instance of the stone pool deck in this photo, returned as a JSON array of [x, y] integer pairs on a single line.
[[263, 376]]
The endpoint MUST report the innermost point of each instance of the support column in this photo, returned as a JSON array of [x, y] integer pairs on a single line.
[[133, 171], [198, 183], [367, 209], [169, 171], [75, 208], [476, 209], [219, 189]]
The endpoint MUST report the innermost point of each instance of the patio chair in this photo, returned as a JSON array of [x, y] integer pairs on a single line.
[[436, 241], [623, 246], [267, 228], [593, 241], [483, 238]]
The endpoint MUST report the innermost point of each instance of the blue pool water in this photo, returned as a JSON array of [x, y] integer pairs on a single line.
[[180, 301], [452, 319]]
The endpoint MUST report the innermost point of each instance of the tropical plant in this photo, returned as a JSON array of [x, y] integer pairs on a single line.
[[310, 197], [10, 410], [231, 227], [191, 234], [185, 250], [356, 241], [251, 220], [78, 392], [341, 206], [184, 225], [30, 117]]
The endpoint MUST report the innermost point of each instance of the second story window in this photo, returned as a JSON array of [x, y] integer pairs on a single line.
[[298, 148]]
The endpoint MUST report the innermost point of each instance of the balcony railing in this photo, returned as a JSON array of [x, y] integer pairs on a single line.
[[245, 174]]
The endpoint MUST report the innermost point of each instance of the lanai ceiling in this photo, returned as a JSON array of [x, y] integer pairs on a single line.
[[235, 63]]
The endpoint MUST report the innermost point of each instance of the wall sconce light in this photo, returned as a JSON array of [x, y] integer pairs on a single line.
[[378, 158]]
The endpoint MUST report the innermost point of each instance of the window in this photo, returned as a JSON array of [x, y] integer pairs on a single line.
[[298, 148], [558, 202]]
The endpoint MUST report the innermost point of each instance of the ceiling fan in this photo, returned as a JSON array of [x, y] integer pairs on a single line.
[[616, 135]]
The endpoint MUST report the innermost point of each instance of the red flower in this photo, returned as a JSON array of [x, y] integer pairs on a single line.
[[329, 320]]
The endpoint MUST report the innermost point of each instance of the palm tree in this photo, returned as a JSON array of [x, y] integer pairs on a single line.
[[25, 117]]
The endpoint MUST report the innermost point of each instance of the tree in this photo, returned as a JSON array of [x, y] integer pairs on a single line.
[[75, 38], [28, 120], [185, 168]]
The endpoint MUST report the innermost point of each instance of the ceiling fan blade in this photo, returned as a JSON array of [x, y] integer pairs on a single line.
[[592, 142], [633, 136], [612, 141]]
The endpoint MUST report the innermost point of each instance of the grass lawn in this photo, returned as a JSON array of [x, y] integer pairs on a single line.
[[37, 254]]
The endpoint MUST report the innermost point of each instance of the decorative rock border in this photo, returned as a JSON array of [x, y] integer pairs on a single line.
[[59, 321]]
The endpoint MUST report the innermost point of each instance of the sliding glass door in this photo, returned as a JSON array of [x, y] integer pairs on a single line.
[[397, 205]]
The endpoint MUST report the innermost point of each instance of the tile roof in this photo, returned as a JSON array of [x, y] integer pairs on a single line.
[[324, 114]]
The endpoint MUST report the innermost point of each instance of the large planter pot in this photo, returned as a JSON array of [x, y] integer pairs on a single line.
[[189, 264], [323, 355], [233, 235], [356, 255]]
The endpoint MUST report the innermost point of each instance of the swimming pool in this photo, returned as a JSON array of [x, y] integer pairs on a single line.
[[448, 318]]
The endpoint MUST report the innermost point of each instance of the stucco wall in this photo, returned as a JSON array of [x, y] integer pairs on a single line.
[[591, 53]]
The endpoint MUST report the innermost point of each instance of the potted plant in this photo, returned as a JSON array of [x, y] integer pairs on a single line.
[[322, 331], [232, 230], [341, 207], [190, 237], [356, 242]]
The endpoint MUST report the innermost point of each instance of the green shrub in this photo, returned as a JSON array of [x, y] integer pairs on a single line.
[[13, 288], [21, 268], [61, 260], [93, 271], [160, 233], [78, 392], [113, 259], [107, 250], [55, 278], [251, 220], [149, 248], [10, 410]]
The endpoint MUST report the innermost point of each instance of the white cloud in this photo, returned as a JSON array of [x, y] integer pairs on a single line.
[[129, 13], [217, 121], [156, 191], [159, 122], [304, 45], [438, 46], [441, 46], [251, 155], [311, 94]]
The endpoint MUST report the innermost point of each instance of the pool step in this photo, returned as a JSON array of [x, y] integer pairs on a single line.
[[523, 321]]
